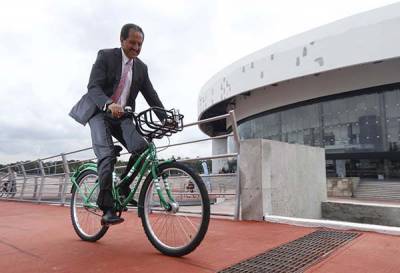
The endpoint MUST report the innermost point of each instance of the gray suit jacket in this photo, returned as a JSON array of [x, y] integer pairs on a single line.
[[104, 79]]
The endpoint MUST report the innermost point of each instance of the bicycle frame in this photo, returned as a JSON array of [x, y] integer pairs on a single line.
[[150, 165]]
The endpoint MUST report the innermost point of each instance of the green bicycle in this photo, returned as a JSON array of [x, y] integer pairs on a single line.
[[175, 219]]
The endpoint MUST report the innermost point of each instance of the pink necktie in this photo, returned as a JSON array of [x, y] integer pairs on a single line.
[[117, 94]]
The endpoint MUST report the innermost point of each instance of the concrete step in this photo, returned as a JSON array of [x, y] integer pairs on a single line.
[[379, 186], [375, 189], [388, 198], [377, 194], [380, 183], [379, 191], [378, 198], [389, 191], [395, 200], [372, 194]]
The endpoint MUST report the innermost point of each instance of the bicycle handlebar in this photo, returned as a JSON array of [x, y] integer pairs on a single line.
[[148, 126]]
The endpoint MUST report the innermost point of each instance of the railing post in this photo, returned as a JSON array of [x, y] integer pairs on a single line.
[[238, 190], [25, 179], [60, 183], [237, 140], [66, 178], [11, 180], [43, 174], [34, 194], [235, 129], [60, 188]]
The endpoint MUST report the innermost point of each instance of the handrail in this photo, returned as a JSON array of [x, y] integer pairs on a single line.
[[208, 157], [206, 120], [195, 141]]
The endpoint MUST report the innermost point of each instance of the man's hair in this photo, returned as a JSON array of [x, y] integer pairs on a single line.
[[125, 30]]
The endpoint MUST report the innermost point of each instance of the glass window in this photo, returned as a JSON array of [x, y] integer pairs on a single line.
[[245, 130], [267, 127], [361, 123], [393, 169], [302, 125], [352, 124], [392, 109]]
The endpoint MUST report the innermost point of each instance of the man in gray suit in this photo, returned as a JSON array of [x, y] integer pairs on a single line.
[[115, 80]]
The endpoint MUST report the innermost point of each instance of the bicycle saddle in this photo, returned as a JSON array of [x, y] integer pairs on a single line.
[[117, 150]]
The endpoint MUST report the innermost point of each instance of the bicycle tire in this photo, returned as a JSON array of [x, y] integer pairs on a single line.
[[74, 218], [144, 212]]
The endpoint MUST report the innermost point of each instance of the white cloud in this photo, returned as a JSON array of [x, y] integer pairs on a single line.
[[48, 48]]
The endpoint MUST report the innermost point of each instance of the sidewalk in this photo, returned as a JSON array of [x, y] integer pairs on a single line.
[[40, 238]]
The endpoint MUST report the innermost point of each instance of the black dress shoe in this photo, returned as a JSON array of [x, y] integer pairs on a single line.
[[111, 218]]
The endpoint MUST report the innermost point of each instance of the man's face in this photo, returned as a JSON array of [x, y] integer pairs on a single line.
[[133, 44]]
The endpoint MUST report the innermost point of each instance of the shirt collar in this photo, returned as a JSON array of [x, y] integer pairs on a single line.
[[125, 59]]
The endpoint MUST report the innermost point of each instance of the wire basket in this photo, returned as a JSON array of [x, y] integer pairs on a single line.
[[149, 125]]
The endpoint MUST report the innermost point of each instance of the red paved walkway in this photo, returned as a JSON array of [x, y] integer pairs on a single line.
[[40, 238]]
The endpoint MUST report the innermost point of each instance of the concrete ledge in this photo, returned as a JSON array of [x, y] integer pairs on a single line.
[[332, 224], [388, 215]]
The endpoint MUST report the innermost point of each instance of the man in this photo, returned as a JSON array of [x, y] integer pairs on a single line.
[[115, 80]]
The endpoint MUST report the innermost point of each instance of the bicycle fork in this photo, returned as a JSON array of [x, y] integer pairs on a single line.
[[169, 205]]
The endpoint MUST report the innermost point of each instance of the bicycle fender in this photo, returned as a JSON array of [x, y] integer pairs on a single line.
[[80, 170]]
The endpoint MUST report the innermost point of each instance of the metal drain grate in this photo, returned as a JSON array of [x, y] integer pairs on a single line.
[[295, 256]]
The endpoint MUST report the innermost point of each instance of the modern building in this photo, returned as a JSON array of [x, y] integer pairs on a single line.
[[337, 87]]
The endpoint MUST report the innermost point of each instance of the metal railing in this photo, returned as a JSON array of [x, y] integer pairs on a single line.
[[37, 181]]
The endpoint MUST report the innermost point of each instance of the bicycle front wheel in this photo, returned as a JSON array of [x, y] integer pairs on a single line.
[[180, 228], [85, 215]]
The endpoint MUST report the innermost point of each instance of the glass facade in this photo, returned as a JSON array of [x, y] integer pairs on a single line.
[[360, 131]]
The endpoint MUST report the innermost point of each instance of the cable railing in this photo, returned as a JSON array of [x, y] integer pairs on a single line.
[[42, 182]]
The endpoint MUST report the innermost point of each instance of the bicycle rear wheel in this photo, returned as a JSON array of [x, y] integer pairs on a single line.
[[87, 219], [179, 230]]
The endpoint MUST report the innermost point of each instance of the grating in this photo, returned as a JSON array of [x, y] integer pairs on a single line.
[[295, 256]]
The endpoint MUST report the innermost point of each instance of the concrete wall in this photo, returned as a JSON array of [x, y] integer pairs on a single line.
[[282, 179], [219, 146]]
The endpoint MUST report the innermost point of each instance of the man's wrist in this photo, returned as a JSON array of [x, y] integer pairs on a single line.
[[105, 108]]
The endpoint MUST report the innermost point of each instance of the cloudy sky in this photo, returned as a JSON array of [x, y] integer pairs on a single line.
[[47, 49]]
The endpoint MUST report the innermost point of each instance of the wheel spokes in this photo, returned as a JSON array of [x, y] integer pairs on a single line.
[[175, 229], [88, 219]]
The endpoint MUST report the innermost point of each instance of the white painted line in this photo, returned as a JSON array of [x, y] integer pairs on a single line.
[[332, 224]]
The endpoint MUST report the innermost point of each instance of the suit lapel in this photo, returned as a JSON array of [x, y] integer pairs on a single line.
[[135, 75], [118, 65], [135, 71]]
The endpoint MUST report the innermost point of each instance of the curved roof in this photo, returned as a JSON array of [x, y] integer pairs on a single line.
[[359, 39]]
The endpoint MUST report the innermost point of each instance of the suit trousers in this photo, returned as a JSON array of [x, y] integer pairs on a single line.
[[103, 127]]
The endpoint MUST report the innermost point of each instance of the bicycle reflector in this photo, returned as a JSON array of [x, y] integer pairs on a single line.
[[148, 124]]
